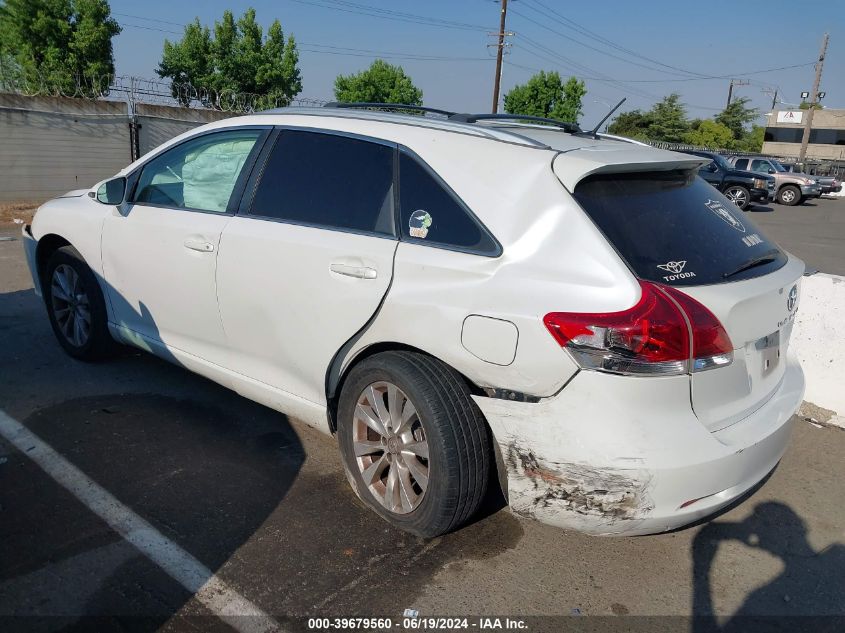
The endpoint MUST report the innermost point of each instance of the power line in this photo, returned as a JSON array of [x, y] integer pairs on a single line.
[[387, 14]]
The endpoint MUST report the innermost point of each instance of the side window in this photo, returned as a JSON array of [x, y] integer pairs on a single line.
[[328, 181], [430, 214], [761, 166], [741, 163], [199, 174]]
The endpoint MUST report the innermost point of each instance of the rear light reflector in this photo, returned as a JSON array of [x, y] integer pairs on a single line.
[[666, 333]]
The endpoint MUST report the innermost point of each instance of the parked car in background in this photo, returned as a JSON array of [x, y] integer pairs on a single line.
[[829, 184], [461, 303], [792, 188], [740, 187]]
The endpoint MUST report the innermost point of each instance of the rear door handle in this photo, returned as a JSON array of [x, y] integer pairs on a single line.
[[359, 272], [199, 245]]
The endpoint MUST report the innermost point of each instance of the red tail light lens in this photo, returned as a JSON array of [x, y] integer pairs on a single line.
[[711, 346], [651, 338]]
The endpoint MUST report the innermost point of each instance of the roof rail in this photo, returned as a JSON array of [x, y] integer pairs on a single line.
[[386, 106], [566, 126]]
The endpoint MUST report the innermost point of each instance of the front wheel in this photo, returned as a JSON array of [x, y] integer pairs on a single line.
[[789, 195], [739, 195], [414, 445], [76, 307]]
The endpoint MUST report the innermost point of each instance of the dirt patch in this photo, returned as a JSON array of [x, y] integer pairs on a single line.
[[814, 414], [17, 212]]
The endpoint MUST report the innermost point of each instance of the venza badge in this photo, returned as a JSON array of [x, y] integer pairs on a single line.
[[718, 208], [676, 269]]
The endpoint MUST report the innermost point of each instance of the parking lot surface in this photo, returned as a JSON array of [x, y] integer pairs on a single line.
[[172, 470], [814, 231]]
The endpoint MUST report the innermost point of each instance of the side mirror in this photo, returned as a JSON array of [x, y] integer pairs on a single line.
[[112, 191], [771, 171], [712, 167]]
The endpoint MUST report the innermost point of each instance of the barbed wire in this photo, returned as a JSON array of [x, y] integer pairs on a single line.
[[141, 90]]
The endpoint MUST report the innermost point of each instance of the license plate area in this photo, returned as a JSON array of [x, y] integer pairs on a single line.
[[769, 349]]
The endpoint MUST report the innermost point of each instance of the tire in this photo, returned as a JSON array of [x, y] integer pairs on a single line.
[[790, 195], [72, 296], [739, 195], [445, 419]]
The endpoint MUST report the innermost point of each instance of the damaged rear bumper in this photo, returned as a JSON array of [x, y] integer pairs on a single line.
[[612, 455]]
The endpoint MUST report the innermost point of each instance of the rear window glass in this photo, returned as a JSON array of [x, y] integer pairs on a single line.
[[674, 228]]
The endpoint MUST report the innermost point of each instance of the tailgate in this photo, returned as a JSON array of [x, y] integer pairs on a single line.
[[758, 315]]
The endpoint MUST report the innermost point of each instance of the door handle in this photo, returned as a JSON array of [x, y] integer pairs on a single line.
[[359, 272], [199, 245]]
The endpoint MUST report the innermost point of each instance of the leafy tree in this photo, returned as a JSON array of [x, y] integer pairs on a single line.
[[668, 120], [736, 116], [65, 43], [380, 83], [544, 94], [237, 58], [633, 124], [805, 105], [709, 133], [751, 142]]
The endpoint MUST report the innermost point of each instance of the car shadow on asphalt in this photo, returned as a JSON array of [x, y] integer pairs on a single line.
[[759, 208], [806, 595]]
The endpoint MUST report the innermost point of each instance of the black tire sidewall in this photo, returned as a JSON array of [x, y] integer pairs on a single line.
[[438, 505], [99, 342]]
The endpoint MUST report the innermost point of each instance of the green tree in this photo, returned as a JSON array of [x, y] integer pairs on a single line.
[[752, 141], [805, 105], [633, 124], [709, 133], [380, 83], [545, 94], [64, 43], [668, 120], [736, 116], [236, 59]]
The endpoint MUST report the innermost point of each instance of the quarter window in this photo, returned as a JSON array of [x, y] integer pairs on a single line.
[[328, 180], [198, 174], [431, 214]]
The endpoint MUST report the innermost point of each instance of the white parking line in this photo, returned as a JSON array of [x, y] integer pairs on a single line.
[[207, 588]]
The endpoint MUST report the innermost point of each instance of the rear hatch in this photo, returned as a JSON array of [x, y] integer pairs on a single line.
[[674, 229]]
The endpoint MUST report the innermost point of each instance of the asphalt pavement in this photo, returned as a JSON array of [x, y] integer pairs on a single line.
[[174, 470]]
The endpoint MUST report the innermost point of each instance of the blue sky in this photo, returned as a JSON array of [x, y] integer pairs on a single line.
[[622, 48]]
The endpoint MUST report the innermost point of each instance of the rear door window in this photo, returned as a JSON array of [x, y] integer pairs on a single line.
[[432, 214], [741, 163], [328, 181], [674, 228]]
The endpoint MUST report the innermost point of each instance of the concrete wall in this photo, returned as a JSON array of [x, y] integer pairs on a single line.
[[161, 123], [829, 118], [50, 145]]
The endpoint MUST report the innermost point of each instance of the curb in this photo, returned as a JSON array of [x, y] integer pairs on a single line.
[[818, 339]]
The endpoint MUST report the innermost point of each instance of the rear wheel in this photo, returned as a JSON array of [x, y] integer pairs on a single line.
[[76, 307], [415, 446], [739, 195], [790, 195]]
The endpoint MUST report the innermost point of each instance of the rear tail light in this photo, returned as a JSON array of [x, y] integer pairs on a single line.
[[666, 333]]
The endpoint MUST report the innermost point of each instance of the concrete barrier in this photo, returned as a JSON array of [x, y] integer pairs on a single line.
[[818, 338]]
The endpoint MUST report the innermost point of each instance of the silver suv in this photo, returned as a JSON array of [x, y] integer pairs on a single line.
[[792, 188]]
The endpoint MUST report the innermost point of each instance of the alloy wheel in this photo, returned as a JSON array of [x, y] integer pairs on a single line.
[[737, 196], [70, 304], [390, 447], [788, 196]]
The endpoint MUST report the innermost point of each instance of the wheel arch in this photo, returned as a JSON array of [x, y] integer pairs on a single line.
[[47, 245]]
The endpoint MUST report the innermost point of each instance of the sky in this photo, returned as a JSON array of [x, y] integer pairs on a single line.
[[642, 50]]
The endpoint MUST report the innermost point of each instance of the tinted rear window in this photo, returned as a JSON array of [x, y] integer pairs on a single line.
[[674, 228]]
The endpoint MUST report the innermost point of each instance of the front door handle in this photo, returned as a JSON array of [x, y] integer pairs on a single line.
[[359, 272], [199, 245]]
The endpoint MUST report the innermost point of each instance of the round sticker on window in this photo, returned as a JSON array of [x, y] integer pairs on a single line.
[[419, 223]]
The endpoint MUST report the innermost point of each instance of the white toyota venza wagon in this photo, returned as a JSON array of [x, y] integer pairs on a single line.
[[463, 301]]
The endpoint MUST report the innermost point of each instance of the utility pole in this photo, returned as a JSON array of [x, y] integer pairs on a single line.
[[735, 82], [814, 99], [501, 47]]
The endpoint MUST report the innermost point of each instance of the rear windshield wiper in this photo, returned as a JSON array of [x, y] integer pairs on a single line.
[[765, 258]]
